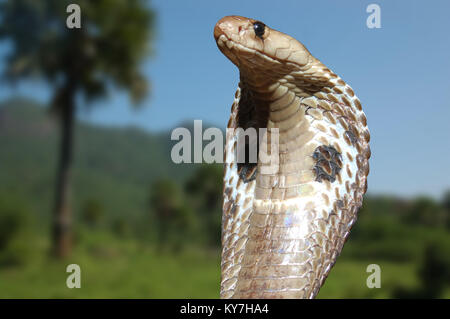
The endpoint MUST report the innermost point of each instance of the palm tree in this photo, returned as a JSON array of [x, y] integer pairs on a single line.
[[106, 52]]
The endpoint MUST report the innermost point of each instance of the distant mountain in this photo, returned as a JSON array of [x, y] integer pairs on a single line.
[[115, 166]]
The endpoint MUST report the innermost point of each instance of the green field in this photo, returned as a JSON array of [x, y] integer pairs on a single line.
[[126, 269]]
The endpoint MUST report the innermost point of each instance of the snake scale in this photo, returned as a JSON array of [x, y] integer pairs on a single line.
[[284, 227]]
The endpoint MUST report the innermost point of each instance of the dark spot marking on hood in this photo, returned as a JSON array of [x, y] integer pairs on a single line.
[[328, 163]]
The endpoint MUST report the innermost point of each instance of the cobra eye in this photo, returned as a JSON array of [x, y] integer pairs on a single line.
[[259, 28]]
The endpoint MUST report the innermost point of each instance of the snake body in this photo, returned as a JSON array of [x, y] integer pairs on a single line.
[[285, 223]]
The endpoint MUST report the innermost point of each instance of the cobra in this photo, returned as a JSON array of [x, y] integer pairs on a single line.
[[283, 229]]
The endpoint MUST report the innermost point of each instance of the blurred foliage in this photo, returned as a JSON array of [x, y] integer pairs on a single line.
[[121, 227], [446, 207], [434, 272], [16, 238], [92, 212], [107, 49], [175, 221], [204, 195], [425, 211], [151, 229]]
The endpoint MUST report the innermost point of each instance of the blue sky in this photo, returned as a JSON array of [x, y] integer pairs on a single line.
[[400, 73]]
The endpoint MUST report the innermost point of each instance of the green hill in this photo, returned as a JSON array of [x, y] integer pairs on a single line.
[[114, 166]]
